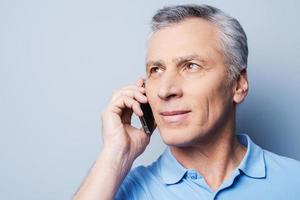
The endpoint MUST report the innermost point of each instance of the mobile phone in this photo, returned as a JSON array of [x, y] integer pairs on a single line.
[[147, 119]]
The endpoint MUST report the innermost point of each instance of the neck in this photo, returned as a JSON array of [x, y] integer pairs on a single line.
[[213, 158]]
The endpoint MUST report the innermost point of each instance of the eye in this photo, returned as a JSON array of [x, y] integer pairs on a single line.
[[155, 70], [193, 66]]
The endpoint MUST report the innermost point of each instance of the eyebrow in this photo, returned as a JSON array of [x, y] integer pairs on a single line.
[[178, 60], [183, 59]]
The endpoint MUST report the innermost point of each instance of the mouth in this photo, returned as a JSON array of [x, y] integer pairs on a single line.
[[175, 116]]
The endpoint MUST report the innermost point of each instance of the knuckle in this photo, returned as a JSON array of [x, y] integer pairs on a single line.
[[130, 102]]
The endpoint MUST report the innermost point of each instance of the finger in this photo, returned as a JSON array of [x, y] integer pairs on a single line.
[[134, 87], [127, 102], [140, 82], [133, 93], [130, 87]]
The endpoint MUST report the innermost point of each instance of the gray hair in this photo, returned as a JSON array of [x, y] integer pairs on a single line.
[[233, 39]]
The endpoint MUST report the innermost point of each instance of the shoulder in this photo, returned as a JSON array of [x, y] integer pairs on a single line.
[[137, 182], [140, 174], [282, 167], [142, 170], [132, 186], [281, 162]]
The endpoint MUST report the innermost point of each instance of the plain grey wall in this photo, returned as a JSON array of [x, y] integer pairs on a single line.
[[60, 61]]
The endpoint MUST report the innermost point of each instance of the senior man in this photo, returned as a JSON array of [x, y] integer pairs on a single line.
[[196, 75]]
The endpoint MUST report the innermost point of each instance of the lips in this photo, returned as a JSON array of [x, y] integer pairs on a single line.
[[177, 112], [174, 116]]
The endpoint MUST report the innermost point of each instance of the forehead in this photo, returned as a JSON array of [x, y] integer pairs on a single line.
[[191, 36]]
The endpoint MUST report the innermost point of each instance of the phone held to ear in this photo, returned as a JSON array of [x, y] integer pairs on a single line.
[[147, 119]]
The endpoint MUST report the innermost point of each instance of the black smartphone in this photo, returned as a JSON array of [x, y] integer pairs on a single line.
[[147, 119]]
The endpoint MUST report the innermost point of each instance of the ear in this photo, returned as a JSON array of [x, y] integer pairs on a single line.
[[240, 87]]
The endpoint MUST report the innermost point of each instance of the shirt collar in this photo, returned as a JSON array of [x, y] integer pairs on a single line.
[[253, 164], [170, 169]]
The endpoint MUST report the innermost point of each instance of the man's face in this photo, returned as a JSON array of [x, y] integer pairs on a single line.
[[187, 82]]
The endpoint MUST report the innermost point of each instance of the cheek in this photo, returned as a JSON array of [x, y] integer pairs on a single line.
[[150, 93], [198, 100], [218, 103], [153, 100], [200, 108], [207, 105]]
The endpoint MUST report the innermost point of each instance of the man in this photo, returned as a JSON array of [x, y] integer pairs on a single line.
[[196, 75]]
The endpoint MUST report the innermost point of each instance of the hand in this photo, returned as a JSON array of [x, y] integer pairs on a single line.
[[119, 136]]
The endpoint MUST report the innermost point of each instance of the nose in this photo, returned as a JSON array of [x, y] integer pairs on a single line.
[[169, 87]]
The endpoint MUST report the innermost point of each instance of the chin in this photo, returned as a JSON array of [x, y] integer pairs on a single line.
[[184, 136], [179, 137]]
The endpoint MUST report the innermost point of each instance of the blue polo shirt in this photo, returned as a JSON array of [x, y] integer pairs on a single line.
[[260, 175]]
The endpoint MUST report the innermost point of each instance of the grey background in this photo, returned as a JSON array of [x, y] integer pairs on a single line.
[[60, 61]]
